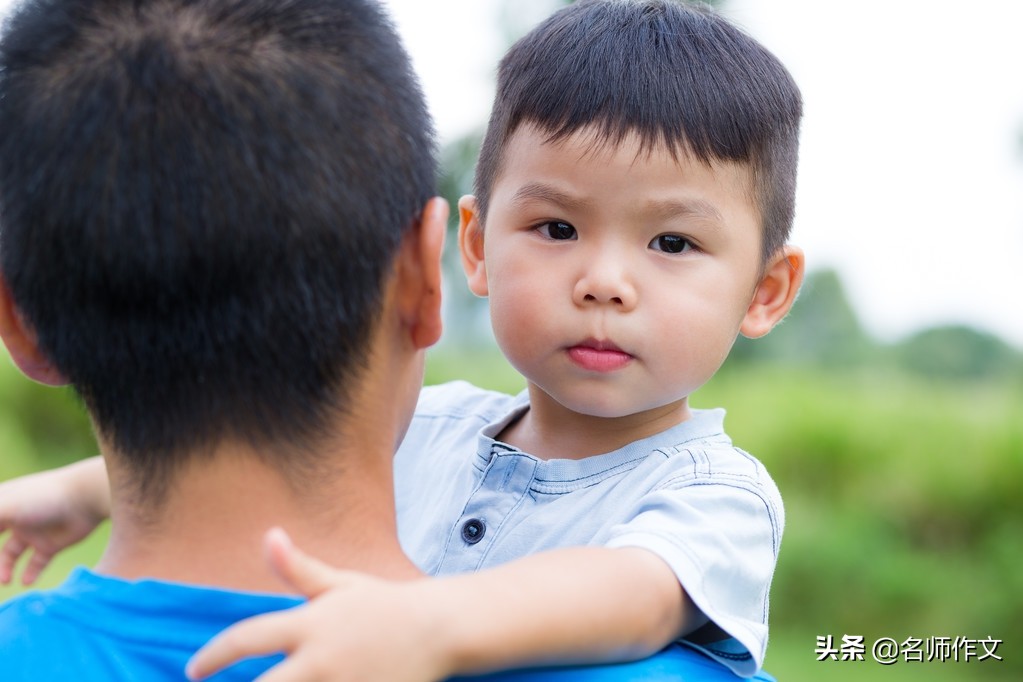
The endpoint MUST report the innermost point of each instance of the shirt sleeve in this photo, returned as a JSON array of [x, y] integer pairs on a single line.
[[720, 533]]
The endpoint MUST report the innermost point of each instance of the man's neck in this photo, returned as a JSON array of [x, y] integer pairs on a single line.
[[209, 527]]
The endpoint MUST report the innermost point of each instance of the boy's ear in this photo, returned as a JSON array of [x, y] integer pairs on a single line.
[[775, 293], [419, 274], [21, 342], [470, 245]]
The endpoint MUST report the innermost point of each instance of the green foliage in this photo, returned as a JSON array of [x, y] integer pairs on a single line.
[[483, 366], [466, 317], [40, 426], [903, 506], [823, 332], [958, 352]]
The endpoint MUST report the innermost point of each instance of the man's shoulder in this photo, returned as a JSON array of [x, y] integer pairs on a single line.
[[39, 623], [31, 610], [96, 627], [30, 632], [16, 609]]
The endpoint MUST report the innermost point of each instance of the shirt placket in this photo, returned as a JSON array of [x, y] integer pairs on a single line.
[[503, 486]]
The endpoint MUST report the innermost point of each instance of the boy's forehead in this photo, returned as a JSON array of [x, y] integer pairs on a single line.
[[593, 144]]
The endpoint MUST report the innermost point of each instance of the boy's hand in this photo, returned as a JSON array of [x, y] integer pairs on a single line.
[[354, 628], [357, 627], [46, 512]]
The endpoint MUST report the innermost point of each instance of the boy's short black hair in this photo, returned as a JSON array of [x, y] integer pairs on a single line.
[[675, 74], [200, 201]]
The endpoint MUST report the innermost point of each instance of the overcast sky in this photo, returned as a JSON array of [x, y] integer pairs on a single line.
[[911, 174]]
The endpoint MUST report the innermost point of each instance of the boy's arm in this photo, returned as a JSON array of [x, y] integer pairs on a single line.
[[49, 511], [576, 605], [571, 605]]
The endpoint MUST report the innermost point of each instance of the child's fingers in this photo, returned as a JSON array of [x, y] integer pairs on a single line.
[[307, 575], [257, 636], [291, 669], [12, 550], [35, 566]]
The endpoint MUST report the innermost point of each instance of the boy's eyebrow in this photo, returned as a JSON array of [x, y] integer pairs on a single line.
[[544, 192], [661, 210], [687, 208]]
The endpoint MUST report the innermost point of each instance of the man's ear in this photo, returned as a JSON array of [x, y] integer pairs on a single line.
[[418, 274], [470, 245], [22, 344], [775, 293]]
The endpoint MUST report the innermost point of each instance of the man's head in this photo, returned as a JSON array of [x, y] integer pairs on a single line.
[[676, 75], [200, 203]]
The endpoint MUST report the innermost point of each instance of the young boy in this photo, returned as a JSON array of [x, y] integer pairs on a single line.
[[634, 195]]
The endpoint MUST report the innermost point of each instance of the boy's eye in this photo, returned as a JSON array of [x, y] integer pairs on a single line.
[[557, 230], [671, 243]]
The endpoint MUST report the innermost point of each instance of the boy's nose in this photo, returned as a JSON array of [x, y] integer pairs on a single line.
[[604, 281]]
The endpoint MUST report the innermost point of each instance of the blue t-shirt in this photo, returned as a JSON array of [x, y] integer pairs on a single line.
[[95, 628], [677, 663]]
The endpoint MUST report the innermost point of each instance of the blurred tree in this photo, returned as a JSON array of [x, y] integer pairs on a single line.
[[958, 352], [40, 426], [823, 330], [466, 317]]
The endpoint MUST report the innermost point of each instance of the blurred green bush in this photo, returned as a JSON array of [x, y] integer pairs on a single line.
[[40, 426], [904, 514]]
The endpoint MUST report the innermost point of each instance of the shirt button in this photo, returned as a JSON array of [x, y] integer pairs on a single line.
[[473, 531]]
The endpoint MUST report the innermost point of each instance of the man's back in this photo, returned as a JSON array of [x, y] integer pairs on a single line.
[[106, 629], [202, 204], [94, 627]]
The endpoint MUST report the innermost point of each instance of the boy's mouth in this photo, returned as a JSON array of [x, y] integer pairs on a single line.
[[598, 356]]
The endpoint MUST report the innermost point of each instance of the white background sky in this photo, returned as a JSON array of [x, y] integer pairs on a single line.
[[911, 175]]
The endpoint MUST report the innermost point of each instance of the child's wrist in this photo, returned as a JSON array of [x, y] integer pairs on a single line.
[[448, 623], [426, 633], [89, 487]]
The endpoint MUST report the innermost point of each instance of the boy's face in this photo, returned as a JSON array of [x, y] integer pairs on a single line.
[[618, 278]]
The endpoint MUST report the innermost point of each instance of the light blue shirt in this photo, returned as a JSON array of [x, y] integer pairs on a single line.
[[466, 501]]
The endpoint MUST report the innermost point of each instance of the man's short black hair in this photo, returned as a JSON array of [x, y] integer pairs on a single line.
[[677, 75], [200, 201]]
